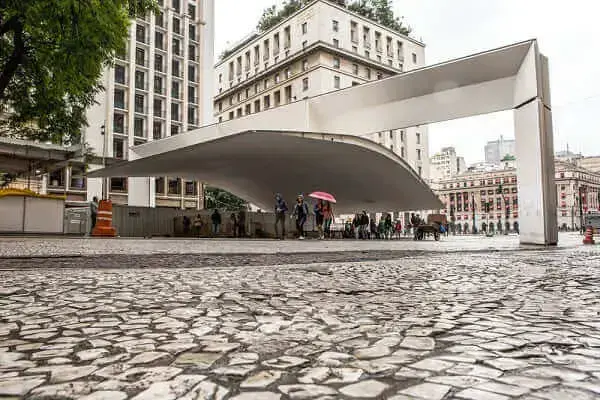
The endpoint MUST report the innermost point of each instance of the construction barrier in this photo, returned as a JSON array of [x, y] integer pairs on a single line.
[[104, 220]]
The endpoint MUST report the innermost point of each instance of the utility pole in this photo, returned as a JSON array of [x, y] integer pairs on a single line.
[[581, 208], [473, 211]]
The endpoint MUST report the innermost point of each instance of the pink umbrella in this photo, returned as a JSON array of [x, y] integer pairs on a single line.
[[323, 196]]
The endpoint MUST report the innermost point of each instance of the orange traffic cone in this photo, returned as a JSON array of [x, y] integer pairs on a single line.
[[103, 225], [589, 236]]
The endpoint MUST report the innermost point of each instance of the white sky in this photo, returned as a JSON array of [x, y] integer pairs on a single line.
[[568, 34]]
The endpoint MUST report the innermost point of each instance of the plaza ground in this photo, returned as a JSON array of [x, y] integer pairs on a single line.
[[464, 318]]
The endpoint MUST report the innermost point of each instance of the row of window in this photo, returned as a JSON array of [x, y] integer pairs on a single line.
[[159, 40], [159, 66], [482, 182], [264, 104], [120, 99], [139, 123], [169, 186]]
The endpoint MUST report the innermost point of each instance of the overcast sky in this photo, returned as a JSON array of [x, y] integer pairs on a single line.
[[568, 34]]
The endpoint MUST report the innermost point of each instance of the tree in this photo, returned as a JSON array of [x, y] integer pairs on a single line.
[[52, 54], [219, 198]]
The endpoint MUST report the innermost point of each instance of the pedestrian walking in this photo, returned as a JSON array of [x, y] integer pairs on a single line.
[[319, 218], [388, 227], [356, 225], [364, 225], [280, 209], [216, 222], [94, 211], [300, 213], [328, 218]]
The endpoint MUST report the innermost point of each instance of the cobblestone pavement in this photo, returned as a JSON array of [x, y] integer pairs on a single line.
[[481, 325]]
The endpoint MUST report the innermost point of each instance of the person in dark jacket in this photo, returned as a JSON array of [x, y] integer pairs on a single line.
[[280, 209], [216, 222], [241, 223], [301, 214]]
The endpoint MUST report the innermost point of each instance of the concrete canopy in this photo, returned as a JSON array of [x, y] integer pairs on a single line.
[[256, 164], [512, 77]]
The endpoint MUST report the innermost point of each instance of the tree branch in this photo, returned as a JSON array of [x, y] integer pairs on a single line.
[[16, 58]]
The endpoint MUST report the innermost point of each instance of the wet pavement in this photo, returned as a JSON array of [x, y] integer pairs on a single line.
[[464, 318]]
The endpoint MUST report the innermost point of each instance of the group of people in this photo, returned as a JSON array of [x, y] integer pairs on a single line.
[[238, 223], [322, 210], [363, 227]]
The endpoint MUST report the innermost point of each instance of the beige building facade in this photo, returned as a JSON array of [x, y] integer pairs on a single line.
[[321, 48], [465, 196], [160, 86]]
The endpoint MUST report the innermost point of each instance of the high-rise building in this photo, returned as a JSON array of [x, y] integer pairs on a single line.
[[446, 164], [321, 48], [590, 163], [496, 150], [159, 86]]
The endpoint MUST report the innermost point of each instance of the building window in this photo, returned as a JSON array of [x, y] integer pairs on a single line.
[[257, 106], [248, 109], [119, 99], [336, 43], [354, 32], [177, 47], [379, 59], [420, 171], [265, 84], [192, 32], [379, 75], [139, 103], [176, 25], [176, 5], [192, 73], [157, 130], [276, 98], [355, 69], [354, 49], [266, 50], [391, 134], [118, 147], [277, 78], [140, 56], [335, 25], [158, 62], [276, 44], [304, 44], [267, 102], [354, 83], [159, 40], [192, 52], [418, 138], [175, 112], [288, 94], [368, 73], [336, 62], [174, 186], [138, 127], [119, 74], [175, 68], [140, 80], [287, 37], [367, 54], [239, 112], [158, 85], [175, 90], [140, 33], [287, 73], [304, 28], [118, 123], [118, 184], [192, 11], [336, 82], [159, 19], [419, 154], [414, 58], [304, 65], [256, 56], [305, 84]]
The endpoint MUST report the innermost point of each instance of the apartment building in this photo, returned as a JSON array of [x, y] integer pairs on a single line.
[[496, 150], [155, 89], [446, 164], [465, 196], [321, 48]]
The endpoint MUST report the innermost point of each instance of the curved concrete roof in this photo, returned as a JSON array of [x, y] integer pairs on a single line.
[[257, 164]]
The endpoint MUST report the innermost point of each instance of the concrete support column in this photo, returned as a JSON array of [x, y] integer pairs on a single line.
[[140, 191], [535, 174]]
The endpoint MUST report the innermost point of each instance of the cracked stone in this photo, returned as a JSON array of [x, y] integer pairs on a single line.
[[365, 389]]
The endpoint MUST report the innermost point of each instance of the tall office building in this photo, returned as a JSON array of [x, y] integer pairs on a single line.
[[446, 164], [496, 150], [321, 48], [161, 85]]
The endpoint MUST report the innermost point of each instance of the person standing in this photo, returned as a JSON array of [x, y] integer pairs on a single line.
[[319, 217], [364, 225], [328, 217], [234, 224], [301, 213], [356, 225], [197, 225], [94, 211], [216, 222], [241, 223], [280, 210]]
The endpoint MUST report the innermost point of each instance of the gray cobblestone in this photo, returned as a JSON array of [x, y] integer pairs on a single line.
[[401, 323]]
